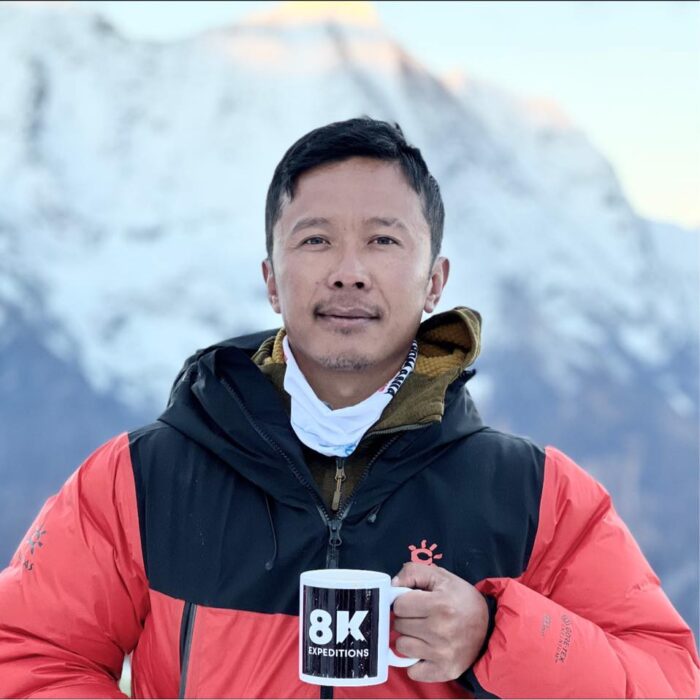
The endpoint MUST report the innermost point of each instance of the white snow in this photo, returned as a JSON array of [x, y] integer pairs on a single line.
[[134, 181]]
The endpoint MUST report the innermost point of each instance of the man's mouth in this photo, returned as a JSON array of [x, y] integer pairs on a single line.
[[348, 314], [347, 318]]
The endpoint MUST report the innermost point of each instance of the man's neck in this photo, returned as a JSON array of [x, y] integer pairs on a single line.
[[342, 388]]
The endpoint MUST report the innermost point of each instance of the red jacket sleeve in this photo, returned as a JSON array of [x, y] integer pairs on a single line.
[[588, 618], [74, 597]]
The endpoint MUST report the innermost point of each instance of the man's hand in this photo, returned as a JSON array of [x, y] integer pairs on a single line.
[[444, 623]]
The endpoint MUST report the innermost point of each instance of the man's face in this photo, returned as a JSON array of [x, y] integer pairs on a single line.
[[351, 269]]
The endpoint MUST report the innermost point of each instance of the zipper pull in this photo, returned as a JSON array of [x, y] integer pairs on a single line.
[[339, 479], [334, 542], [334, 539]]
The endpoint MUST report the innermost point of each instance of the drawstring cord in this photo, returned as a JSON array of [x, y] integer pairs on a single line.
[[271, 561], [469, 374], [373, 513]]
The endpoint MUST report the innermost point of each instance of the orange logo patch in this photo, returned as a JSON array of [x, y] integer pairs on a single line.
[[424, 554]]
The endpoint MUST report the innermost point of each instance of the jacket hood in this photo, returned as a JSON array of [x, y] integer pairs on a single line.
[[448, 343], [222, 400]]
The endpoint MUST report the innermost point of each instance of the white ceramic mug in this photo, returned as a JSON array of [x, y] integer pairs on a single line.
[[344, 627]]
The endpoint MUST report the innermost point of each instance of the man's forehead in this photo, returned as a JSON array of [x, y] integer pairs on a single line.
[[363, 192], [357, 172]]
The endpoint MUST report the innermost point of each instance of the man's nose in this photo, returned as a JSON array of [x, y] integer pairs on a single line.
[[349, 271]]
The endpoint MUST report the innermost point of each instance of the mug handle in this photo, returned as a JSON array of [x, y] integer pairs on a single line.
[[393, 659]]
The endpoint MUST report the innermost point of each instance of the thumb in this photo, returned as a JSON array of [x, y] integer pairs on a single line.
[[420, 576]]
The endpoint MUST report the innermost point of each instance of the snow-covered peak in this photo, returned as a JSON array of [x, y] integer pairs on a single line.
[[136, 177], [540, 111], [545, 147], [547, 112], [309, 40], [298, 12]]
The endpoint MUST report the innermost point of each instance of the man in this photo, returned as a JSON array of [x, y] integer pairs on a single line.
[[347, 437]]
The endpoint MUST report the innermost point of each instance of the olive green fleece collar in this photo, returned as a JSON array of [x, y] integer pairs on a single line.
[[448, 343]]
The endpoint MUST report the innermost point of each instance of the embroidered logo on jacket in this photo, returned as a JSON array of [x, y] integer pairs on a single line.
[[424, 554], [34, 540]]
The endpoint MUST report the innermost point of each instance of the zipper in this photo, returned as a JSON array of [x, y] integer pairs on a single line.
[[346, 506], [334, 542], [339, 479], [321, 506], [333, 524], [186, 627]]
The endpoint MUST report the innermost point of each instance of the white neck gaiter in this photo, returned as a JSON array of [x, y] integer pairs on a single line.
[[336, 432]]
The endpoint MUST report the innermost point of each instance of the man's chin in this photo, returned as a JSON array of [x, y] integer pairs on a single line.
[[345, 362]]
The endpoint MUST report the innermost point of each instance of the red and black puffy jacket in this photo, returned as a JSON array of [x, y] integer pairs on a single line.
[[183, 542]]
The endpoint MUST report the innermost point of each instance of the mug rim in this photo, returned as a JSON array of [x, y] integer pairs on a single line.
[[344, 578]]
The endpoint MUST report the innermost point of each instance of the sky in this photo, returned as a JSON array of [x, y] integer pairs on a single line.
[[626, 73]]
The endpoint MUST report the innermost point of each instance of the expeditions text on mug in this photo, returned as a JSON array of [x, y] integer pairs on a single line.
[[344, 627]]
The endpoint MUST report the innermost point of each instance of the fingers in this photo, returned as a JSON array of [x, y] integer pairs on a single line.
[[413, 604], [428, 672], [413, 647], [431, 668], [414, 575], [413, 627], [442, 621]]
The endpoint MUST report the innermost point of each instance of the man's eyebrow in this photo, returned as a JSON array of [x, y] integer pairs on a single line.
[[313, 221], [309, 222], [386, 221]]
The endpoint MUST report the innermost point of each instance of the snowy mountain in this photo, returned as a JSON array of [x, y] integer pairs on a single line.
[[132, 228]]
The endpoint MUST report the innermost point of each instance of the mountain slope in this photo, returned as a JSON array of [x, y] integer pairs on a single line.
[[132, 229]]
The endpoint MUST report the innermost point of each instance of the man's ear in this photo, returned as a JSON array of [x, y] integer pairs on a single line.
[[436, 283], [269, 277]]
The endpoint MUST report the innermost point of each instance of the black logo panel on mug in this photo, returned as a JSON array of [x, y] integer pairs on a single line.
[[341, 632]]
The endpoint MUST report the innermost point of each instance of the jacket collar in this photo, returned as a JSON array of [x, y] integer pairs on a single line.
[[448, 343], [221, 400]]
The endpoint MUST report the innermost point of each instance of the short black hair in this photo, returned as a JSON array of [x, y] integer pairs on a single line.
[[361, 136]]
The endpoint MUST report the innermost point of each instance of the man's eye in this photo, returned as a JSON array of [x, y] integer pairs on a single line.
[[385, 239], [313, 238]]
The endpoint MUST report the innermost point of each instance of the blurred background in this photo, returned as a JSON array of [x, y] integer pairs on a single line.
[[137, 141]]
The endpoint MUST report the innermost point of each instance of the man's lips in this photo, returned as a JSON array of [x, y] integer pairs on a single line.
[[347, 319], [348, 314]]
